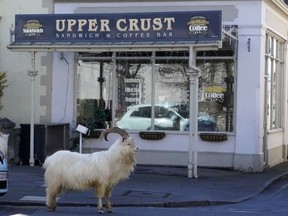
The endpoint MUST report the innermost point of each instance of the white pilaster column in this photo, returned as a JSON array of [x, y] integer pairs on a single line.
[[32, 74], [193, 73]]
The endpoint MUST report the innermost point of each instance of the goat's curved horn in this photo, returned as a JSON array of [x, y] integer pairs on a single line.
[[120, 131]]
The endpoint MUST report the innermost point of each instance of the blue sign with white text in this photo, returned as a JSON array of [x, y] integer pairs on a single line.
[[192, 26]]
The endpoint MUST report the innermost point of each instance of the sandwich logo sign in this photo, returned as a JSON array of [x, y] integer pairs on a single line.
[[162, 27], [33, 28]]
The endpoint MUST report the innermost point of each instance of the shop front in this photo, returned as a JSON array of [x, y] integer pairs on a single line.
[[169, 77]]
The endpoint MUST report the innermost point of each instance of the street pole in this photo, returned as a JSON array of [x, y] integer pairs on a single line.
[[32, 74], [80, 143], [193, 73]]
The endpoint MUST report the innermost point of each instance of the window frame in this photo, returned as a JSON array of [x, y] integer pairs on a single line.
[[274, 81], [113, 57]]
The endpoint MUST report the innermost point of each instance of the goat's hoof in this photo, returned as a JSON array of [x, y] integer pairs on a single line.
[[100, 211], [51, 209], [110, 211]]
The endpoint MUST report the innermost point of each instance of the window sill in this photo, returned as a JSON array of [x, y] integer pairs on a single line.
[[273, 131]]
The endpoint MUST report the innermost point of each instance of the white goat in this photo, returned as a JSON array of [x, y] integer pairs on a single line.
[[71, 171]]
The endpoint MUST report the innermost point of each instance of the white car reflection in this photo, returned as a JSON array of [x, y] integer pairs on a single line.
[[138, 117]]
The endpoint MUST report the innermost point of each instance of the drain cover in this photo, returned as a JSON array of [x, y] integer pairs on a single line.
[[153, 194]]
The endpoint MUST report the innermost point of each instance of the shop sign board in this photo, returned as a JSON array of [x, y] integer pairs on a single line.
[[160, 27]]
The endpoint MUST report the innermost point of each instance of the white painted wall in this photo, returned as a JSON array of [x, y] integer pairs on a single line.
[[16, 99], [63, 88]]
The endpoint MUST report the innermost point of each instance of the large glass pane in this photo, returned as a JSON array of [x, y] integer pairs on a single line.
[[134, 95], [274, 93], [152, 91], [216, 95], [268, 90], [171, 95], [94, 94], [152, 95]]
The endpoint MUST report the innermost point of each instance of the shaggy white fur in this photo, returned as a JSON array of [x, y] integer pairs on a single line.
[[71, 171]]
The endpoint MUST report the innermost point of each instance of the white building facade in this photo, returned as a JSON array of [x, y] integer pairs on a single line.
[[144, 87]]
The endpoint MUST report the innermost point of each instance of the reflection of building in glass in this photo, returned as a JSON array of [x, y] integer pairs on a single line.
[[165, 82]]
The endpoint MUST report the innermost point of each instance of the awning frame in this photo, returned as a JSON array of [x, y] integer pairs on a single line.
[[52, 47]]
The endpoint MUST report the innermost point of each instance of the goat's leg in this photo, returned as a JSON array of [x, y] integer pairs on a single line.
[[51, 200], [100, 191], [108, 201]]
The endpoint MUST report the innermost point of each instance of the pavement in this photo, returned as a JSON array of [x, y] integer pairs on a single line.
[[153, 186]]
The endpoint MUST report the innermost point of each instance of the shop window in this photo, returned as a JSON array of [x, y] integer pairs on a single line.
[[94, 94], [274, 70], [151, 90], [216, 87], [216, 93]]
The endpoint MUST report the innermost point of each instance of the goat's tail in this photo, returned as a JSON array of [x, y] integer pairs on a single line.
[[46, 163]]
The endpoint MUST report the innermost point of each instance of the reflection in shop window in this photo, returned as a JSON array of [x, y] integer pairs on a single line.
[[216, 93], [150, 95], [131, 80], [134, 88], [274, 71], [151, 91], [172, 86], [94, 94]]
